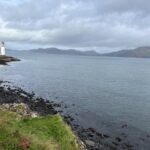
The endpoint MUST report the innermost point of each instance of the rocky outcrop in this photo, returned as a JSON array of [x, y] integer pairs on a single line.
[[20, 108], [5, 59]]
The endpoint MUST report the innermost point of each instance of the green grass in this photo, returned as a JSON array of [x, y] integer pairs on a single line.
[[42, 133]]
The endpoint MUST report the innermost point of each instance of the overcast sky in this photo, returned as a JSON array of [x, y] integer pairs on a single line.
[[102, 25]]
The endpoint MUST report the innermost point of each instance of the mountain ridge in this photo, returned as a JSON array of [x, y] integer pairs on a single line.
[[54, 50], [139, 52]]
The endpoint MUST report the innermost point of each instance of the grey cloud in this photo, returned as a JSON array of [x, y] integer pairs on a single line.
[[76, 23]]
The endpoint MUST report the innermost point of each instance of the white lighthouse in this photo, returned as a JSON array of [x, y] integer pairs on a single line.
[[2, 48]]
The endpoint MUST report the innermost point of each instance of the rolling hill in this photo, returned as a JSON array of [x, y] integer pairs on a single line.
[[67, 52], [140, 52]]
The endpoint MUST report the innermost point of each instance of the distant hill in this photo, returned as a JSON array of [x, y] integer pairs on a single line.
[[67, 52], [140, 52]]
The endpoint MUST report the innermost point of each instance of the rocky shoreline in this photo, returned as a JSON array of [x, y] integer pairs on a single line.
[[5, 59], [12, 97], [90, 137]]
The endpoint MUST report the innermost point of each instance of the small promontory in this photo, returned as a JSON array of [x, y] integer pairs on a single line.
[[5, 59]]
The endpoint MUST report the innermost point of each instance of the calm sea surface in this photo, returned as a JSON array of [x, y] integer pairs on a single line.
[[100, 92]]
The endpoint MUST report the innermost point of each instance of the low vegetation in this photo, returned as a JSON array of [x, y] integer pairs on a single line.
[[40, 133]]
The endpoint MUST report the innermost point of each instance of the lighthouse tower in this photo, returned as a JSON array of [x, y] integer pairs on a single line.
[[2, 48]]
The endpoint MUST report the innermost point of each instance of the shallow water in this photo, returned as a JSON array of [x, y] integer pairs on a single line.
[[107, 92]]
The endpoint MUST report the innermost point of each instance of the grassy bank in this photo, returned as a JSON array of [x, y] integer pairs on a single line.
[[40, 133]]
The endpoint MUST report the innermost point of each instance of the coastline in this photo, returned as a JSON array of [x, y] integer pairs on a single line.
[[5, 59], [87, 138], [12, 98]]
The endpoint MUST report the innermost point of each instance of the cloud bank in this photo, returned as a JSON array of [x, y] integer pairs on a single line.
[[84, 24]]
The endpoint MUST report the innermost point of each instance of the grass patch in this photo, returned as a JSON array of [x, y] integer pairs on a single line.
[[42, 133]]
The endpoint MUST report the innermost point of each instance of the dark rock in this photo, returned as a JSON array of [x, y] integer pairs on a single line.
[[17, 95], [92, 130], [57, 105], [118, 139], [90, 135], [105, 136], [99, 134]]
